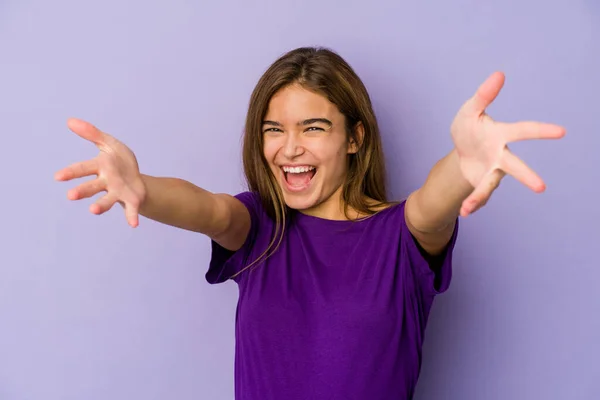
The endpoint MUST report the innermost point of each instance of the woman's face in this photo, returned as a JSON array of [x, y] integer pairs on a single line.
[[306, 145]]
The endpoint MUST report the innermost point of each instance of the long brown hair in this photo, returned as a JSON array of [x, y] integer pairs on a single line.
[[324, 72]]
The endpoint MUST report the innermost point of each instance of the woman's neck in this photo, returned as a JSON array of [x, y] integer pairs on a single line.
[[334, 208]]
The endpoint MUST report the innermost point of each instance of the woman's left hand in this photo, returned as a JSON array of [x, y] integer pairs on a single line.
[[481, 144]]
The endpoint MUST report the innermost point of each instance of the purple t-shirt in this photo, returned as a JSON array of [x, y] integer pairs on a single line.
[[337, 312]]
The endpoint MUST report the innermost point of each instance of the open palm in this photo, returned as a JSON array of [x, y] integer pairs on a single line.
[[117, 174], [482, 146]]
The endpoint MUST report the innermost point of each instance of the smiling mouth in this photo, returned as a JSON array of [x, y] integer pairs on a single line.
[[298, 177]]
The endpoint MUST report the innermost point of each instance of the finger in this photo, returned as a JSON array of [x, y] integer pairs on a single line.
[[486, 93], [87, 131], [103, 204], [87, 189], [480, 196], [131, 213], [131, 204], [77, 170], [515, 167], [529, 130]]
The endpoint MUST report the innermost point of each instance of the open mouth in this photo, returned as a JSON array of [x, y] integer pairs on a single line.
[[299, 177]]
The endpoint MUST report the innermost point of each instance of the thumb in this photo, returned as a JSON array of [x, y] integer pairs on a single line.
[[131, 213], [86, 131], [486, 93], [482, 192]]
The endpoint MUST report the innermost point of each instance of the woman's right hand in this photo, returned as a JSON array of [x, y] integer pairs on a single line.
[[117, 174]]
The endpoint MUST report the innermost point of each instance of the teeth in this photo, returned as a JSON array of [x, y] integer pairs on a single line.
[[297, 170]]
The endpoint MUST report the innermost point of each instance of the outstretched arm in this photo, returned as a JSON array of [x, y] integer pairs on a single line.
[[170, 201], [463, 181], [179, 203], [431, 211]]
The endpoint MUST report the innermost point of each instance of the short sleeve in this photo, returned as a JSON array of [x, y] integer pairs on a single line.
[[225, 263], [433, 273]]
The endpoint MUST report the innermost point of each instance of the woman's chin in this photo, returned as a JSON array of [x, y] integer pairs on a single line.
[[299, 201]]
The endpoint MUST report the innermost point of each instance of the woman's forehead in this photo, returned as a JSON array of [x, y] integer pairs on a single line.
[[295, 104]]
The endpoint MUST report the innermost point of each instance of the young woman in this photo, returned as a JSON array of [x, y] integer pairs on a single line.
[[335, 281]]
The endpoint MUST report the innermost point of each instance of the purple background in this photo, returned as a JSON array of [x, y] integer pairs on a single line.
[[92, 309]]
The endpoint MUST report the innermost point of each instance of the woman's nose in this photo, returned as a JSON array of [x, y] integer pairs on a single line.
[[292, 146]]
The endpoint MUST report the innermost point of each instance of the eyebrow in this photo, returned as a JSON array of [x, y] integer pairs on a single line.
[[309, 121]]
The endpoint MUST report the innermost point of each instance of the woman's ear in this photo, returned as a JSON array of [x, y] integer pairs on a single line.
[[359, 134]]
